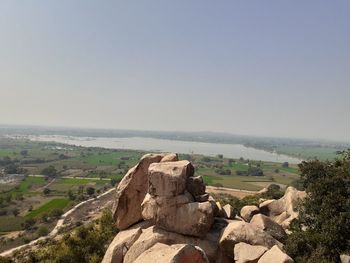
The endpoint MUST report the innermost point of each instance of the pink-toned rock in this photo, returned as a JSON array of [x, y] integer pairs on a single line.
[[228, 211], [179, 253], [245, 253], [275, 255], [248, 211], [122, 242], [284, 210], [169, 178], [267, 224], [152, 235], [240, 231], [170, 157], [131, 191]]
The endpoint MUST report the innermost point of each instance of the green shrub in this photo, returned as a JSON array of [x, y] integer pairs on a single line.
[[322, 231]]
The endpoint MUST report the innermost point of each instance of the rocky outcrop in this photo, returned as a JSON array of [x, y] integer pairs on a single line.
[[168, 179], [248, 211], [179, 253], [275, 255], [265, 223], [165, 215], [131, 191], [122, 242], [152, 235], [283, 211], [170, 157], [245, 253], [169, 202], [240, 231], [228, 211]]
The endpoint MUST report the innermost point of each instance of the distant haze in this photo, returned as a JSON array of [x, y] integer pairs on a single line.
[[268, 68]]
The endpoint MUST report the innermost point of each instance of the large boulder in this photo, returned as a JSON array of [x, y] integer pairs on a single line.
[[245, 253], [179, 253], [228, 211], [152, 235], [170, 157], [275, 255], [154, 205], [240, 231], [284, 210], [248, 211], [270, 226], [169, 178], [131, 191], [194, 219], [122, 242]]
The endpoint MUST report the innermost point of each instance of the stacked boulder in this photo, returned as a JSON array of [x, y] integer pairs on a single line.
[[165, 215], [176, 200]]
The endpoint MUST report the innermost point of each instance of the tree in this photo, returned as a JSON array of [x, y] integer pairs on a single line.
[[15, 212], [90, 190], [56, 213], [28, 223], [71, 195], [42, 231], [285, 164], [49, 171], [322, 231], [24, 153], [46, 191]]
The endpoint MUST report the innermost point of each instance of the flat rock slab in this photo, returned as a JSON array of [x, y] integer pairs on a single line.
[[245, 253], [179, 253], [275, 255]]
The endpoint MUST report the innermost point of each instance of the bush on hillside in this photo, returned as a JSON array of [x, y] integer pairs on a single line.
[[323, 229]]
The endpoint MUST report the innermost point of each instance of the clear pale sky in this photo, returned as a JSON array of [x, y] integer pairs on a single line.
[[271, 68]]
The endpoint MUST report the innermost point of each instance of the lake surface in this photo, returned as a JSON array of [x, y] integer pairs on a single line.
[[150, 144]]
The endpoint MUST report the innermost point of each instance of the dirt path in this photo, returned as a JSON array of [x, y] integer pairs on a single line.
[[230, 191], [60, 223]]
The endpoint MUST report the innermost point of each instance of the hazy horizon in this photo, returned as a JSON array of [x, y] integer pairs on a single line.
[[246, 68]]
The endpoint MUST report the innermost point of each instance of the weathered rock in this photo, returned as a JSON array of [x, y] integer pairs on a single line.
[[228, 211], [122, 242], [169, 178], [270, 226], [248, 211], [195, 185], [152, 206], [131, 191], [275, 255], [179, 253], [171, 157], [283, 211], [240, 231], [344, 259], [245, 253], [194, 219], [153, 235]]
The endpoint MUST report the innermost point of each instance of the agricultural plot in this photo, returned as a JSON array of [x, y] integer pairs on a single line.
[[48, 207]]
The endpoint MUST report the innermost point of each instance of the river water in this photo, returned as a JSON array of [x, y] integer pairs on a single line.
[[150, 144]]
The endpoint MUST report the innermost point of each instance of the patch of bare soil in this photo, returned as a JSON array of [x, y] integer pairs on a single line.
[[233, 192]]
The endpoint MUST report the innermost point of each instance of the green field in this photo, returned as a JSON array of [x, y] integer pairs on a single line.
[[11, 223], [49, 206]]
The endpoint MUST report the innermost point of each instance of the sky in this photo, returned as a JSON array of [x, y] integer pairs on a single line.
[[265, 68]]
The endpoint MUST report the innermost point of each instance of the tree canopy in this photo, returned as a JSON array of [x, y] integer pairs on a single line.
[[323, 229]]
